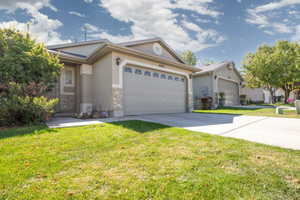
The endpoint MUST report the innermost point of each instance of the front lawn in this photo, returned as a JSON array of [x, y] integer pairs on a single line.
[[268, 112], [140, 160]]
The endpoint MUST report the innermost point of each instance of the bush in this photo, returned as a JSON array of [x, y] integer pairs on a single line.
[[18, 108], [27, 72]]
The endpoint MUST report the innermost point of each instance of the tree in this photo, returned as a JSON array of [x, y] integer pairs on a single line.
[[273, 67], [286, 56], [259, 70], [24, 61], [189, 57], [27, 71]]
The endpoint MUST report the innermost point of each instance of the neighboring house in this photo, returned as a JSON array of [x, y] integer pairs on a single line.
[[258, 95], [255, 94], [139, 77], [216, 78]]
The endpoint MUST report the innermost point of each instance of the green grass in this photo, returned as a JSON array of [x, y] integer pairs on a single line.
[[268, 112], [139, 160]]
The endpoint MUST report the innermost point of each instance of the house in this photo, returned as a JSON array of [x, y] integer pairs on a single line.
[[255, 95], [131, 78], [214, 79], [261, 95]]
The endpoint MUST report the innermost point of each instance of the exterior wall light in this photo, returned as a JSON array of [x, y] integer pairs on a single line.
[[118, 61]]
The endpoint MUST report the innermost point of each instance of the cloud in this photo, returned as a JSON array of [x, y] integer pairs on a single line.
[[42, 28], [12, 5], [268, 32], [90, 28], [239, 1], [276, 5], [264, 18], [88, 1], [76, 14], [158, 18]]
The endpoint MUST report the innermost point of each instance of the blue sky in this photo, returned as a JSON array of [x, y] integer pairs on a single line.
[[215, 30]]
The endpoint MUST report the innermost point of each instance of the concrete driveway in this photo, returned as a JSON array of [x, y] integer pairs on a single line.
[[281, 132]]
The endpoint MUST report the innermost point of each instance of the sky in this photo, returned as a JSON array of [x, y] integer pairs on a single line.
[[215, 30]]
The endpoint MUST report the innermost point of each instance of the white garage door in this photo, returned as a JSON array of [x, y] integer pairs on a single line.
[[231, 91], [147, 92]]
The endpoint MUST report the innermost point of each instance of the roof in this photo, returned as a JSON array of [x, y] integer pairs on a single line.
[[121, 47], [216, 66], [74, 44], [212, 67], [156, 39]]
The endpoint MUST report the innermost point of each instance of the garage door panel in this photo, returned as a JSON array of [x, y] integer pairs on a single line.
[[148, 94], [231, 90]]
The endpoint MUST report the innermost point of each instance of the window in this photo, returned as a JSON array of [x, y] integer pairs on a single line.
[[69, 77], [128, 69], [155, 74], [170, 77], [163, 76], [138, 71], [147, 73]]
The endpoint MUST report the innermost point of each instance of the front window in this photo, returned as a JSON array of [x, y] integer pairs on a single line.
[[69, 77]]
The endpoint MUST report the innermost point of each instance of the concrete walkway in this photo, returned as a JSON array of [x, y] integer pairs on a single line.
[[281, 132]]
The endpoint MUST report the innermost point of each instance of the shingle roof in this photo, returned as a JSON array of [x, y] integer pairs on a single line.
[[212, 67]]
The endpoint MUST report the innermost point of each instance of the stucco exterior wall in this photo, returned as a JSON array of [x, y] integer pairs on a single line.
[[253, 94], [227, 73], [102, 84], [202, 86], [148, 48]]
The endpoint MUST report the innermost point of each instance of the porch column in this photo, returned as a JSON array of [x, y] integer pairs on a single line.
[[86, 89]]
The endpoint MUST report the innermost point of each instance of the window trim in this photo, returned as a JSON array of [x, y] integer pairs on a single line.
[[147, 73], [163, 76], [138, 72], [155, 74], [128, 69], [73, 77], [170, 77]]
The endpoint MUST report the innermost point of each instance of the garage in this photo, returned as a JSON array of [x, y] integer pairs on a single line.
[[231, 91], [148, 92]]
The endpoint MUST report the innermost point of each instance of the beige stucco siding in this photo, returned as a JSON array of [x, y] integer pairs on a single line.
[[253, 94], [148, 48], [227, 73], [83, 49], [102, 83], [202, 86]]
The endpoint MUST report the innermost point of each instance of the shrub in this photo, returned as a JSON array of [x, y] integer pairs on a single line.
[[18, 108], [27, 72]]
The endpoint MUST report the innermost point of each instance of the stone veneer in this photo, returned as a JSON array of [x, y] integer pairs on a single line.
[[190, 102], [117, 102]]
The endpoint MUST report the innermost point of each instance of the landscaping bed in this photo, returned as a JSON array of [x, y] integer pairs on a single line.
[[141, 160]]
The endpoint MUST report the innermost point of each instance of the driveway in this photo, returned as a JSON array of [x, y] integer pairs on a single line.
[[281, 132]]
